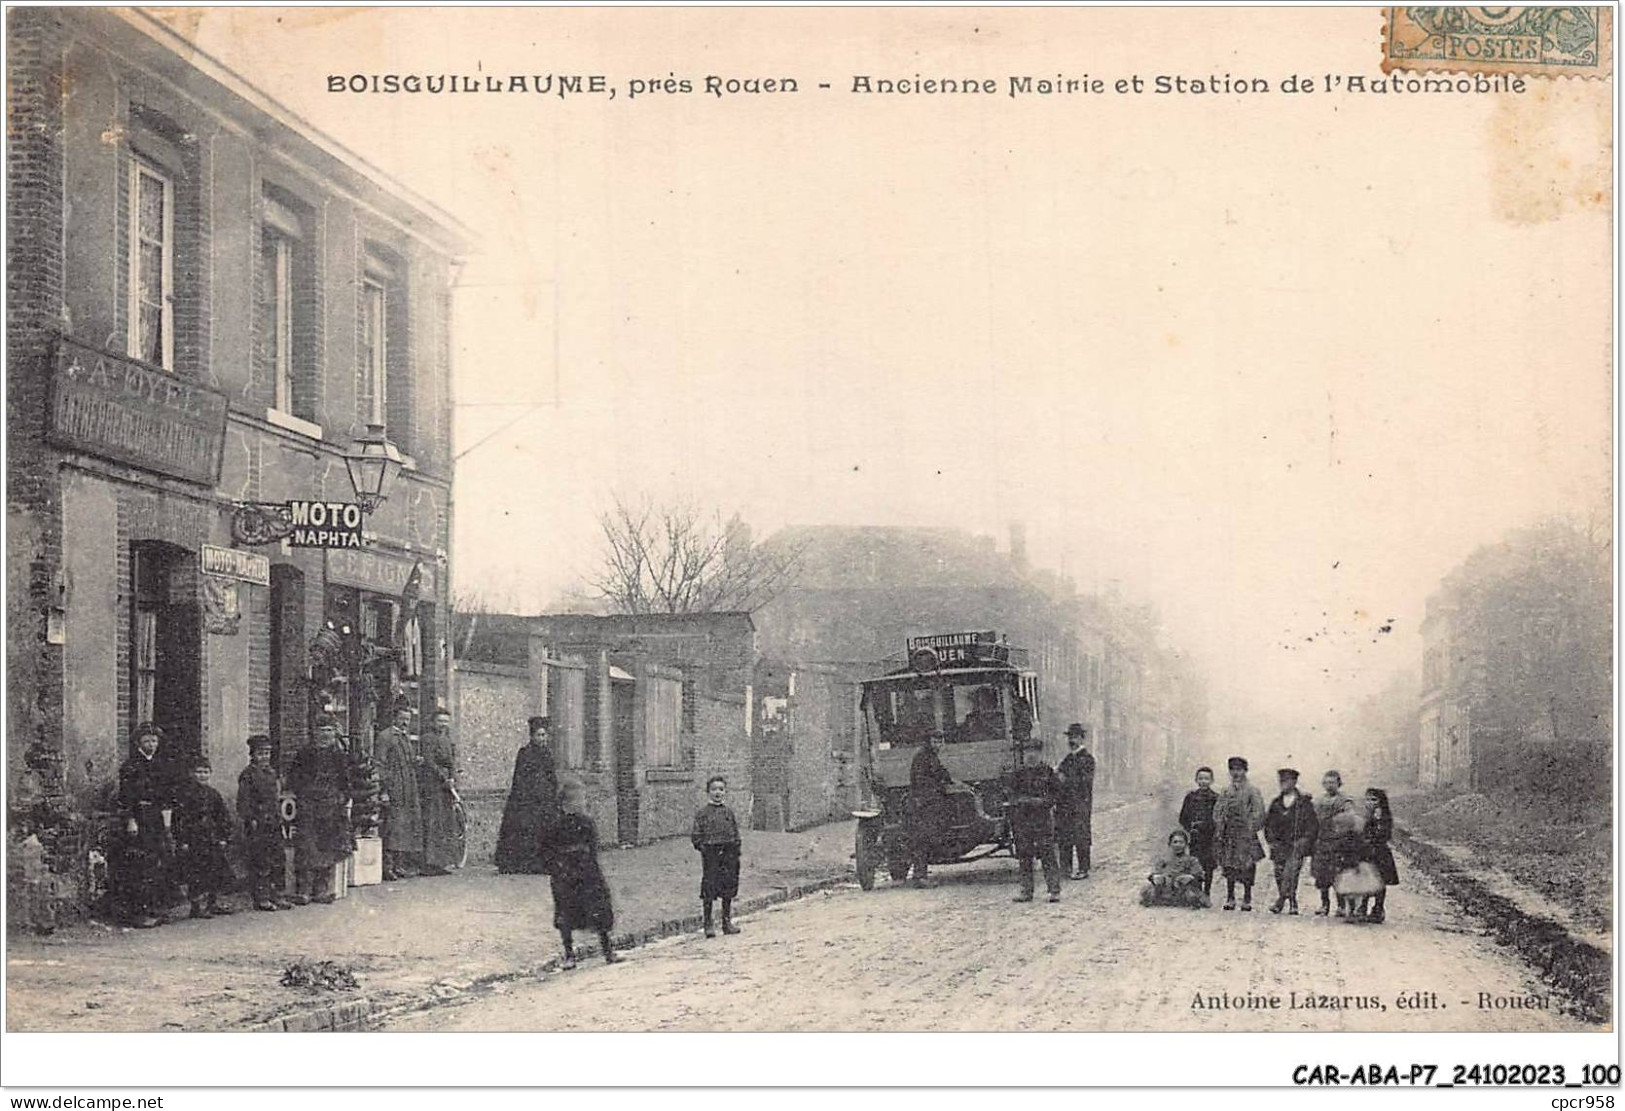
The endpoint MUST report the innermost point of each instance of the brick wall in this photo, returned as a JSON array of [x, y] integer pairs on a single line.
[[33, 301]]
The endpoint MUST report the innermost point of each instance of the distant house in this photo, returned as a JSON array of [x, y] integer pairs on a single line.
[[1517, 690]]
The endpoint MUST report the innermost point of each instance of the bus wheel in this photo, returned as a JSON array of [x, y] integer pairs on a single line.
[[868, 853]]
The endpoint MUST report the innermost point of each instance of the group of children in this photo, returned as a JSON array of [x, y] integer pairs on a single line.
[[581, 898], [177, 832], [1347, 841]]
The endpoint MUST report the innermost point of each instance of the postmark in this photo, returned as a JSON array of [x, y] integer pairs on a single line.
[[1536, 42]]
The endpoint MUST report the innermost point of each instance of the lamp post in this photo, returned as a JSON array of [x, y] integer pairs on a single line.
[[373, 464]]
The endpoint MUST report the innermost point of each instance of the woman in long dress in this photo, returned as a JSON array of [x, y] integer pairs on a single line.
[[532, 809]]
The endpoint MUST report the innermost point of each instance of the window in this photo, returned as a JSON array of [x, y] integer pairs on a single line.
[[374, 346], [278, 243], [151, 249], [663, 713]]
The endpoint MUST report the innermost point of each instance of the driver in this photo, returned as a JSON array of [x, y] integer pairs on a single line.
[[986, 721]]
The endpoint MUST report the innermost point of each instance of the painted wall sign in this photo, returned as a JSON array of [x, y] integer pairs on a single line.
[[120, 409], [234, 563], [375, 571]]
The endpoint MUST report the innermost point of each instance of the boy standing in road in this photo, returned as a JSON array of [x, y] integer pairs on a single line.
[[1196, 819], [1290, 827], [716, 836]]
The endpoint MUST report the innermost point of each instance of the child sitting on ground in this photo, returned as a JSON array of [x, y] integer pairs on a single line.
[[1176, 877]]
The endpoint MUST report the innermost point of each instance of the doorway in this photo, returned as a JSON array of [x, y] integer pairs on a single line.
[[166, 647]]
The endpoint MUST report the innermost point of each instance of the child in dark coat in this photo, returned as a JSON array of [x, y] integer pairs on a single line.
[[580, 892], [716, 836], [259, 810], [202, 833], [1379, 830]]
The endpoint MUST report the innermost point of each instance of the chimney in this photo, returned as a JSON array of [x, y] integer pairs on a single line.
[[1018, 545]]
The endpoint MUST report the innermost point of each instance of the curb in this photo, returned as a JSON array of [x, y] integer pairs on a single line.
[[1578, 969], [349, 1015]]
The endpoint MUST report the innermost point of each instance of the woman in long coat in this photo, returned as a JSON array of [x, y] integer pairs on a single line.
[[532, 808], [1237, 818]]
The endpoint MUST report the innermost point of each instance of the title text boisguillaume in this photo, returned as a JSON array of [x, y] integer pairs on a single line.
[[1017, 86]]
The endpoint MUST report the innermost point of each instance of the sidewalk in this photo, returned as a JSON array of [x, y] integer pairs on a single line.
[[405, 941]]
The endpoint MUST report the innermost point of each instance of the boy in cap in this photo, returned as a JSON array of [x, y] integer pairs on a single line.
[[1290, 827], [202, 833], [259, 809], [1237, 818], [716, 836]]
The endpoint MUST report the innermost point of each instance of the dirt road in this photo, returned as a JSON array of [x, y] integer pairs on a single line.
[[962, 957]]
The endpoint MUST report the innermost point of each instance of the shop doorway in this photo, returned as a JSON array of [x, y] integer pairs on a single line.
[[622, 699], [166, 646]]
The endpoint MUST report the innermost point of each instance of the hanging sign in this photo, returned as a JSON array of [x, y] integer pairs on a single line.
[[324, 524]]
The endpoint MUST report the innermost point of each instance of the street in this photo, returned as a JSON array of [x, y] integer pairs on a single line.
[[962, 957]]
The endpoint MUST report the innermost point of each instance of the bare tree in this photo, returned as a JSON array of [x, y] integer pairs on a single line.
[[678, 559]]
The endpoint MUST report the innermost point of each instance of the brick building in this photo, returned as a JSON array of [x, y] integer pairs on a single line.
[[209, 303]]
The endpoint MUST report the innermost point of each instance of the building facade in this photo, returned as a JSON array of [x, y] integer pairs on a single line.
[[209, 303]]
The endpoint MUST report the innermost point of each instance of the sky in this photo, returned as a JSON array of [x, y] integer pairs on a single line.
[[1275, 365]]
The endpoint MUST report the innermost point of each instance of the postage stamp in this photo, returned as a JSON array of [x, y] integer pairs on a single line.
[[1542, 42]]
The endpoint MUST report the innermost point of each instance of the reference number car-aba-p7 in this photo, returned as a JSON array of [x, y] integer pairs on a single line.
[[1422, 1075]]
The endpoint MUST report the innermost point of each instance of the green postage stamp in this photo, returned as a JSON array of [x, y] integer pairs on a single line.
[[1539, 42]]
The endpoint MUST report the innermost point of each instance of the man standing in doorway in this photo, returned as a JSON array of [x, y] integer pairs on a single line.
[[1074, 814]]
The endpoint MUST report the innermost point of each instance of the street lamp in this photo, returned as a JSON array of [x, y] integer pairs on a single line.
[[373, 464]]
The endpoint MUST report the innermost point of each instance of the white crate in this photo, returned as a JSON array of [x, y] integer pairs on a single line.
[[367, 862]]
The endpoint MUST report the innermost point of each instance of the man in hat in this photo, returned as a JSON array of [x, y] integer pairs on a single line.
[[259, 810], [398, 762], [145, 851], [320, 779], [1075, 809], [928, 783], [1237, 818], [1290, 827]]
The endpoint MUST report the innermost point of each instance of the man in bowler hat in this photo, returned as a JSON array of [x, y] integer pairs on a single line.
[[1075, 808]]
